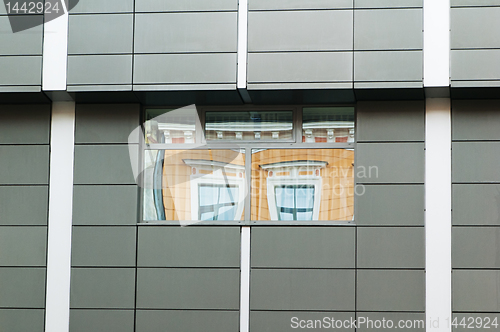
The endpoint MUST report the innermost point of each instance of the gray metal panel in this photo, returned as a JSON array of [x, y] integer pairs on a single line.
[[303, 247], [475, 247], [102, 288], [472, 27], [26, 288], [101, 320], [103, 164], [105, 205], [182, 321], [21, 70], [475, 120], [390, 290], [22, 320], [189, 247], [299, 4], [108, 123], [476, 204], [288, 321], [23, 246], [24, 124], [185, 68], [101, 34], [390, 121], [299, 67], [99, 6], [100, 69], [390, 205], [386, 66], [389, 29], [25, 42], [24, 164], [302, 289], [455, 3], [188, 288], [390, 247], [475, 290], [390, 163], [103, 246], [475, 161], [300, 30], [24, 205], [475, 65], [185, 5], [486, 318], [417, 321], [186, 32], [388, 3]]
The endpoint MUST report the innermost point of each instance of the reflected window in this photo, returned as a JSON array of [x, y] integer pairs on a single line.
[[217, 202], [177, 126], [328, 125], [302, 184], [249, 126], [190, 185], [294, 202]]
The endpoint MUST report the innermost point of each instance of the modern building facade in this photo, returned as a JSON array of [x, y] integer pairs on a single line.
[[339, 160]]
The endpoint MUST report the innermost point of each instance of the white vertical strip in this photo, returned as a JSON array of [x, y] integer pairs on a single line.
[[245, 280], [438, 214], [60, 216], [241, 79], [436, 43], [55, 53]]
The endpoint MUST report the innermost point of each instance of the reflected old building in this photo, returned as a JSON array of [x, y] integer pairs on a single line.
[[203, 175]]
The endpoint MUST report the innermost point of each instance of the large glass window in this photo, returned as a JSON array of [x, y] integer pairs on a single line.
[[249, 166]]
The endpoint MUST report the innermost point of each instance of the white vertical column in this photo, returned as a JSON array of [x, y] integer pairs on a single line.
[[438, 214], [245, 280], [241, 78], [241, 82], [55, 53], [62, 146], [436, 43]]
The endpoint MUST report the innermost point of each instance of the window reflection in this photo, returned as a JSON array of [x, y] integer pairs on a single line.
[[249, 126], [328, 125], [217, 202], [194, 185], [294, 202], [171, 126], [302, 184]]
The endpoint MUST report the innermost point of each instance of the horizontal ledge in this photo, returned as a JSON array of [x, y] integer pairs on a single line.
[[300, 85], [184, 87]]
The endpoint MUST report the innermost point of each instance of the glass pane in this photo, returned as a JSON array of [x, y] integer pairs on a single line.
[[171, 126], [328, 125], [302, 184], [192, 185], [249, 126]]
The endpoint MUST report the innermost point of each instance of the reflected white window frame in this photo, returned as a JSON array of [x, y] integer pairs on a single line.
[[218, 177], [258, 131], [294, 179]]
